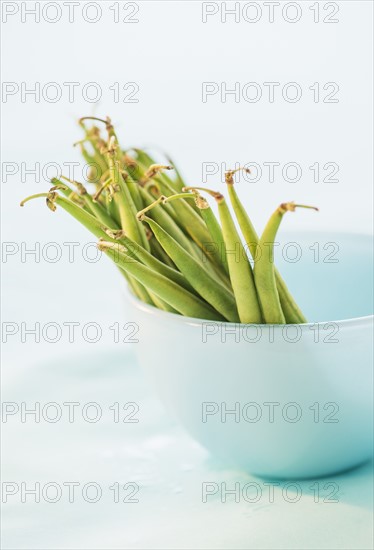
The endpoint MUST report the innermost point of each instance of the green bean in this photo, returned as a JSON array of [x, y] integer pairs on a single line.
[[210, 252], [215, 231], [154, 189], [188, 218], [264, 266], [124, 201], [291, 310], [161, 304], [134, 191], [202, 255], [173, 185], [108, 189], [182, 259], [95, 208], [179, 298], [163, 219], [94, 160], [246, 226], [209, 288], [240, 270], [68, 192], [140, 291], [177, 183], [100, 231], [158, 252], [154, 186], [145, 159], [135, 250]]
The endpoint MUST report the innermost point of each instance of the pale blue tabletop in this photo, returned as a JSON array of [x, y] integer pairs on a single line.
[[162, 468]]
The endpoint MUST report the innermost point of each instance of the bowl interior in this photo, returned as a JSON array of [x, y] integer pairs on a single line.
[[329, 274]]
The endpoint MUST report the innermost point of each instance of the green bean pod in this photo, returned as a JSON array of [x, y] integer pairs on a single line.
[[144, 159], [206, 254], [161, 304], [188, 218], [163, 219], [217, 238], [158, 252], [134, 191], [209, 288], [239, 267], [94, 207], [68, 192], [291, 310], [135, 250], [214, 229], [140, 291], [123, 199], [264, 271]]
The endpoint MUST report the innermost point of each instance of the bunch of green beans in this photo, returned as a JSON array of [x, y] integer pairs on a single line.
[[166, 240]]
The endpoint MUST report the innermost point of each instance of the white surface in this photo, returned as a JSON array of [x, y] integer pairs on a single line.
[[168, 53]]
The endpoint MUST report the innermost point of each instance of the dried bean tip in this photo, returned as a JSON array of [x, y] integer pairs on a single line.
[[153, 170], [80, 188], [116, 234], [50, 200], [201, 203], [94, 131], [152, 186], [112, 146], [148, 234], [215, 194], [129, 161], [291, 207], [100, 245], [57, 187], [229, 175], [104, 245], [83, 118], [287, 207], [51, 205]]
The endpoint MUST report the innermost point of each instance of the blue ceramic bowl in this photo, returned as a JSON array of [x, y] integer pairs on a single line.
[[290, 401]]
